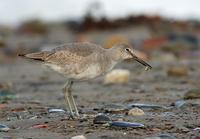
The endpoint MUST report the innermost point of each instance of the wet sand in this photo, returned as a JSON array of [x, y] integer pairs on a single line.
[[38, 89]]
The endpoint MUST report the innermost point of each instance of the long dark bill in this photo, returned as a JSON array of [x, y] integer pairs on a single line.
[[141, 61]]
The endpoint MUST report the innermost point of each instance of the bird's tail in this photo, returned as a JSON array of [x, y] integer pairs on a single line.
[[40, 56]]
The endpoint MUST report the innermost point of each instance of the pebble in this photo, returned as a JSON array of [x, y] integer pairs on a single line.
[[177, 71], [101, 119], [162, 136], [55, 110], [79, 137], [166, 136], [125, 124], [4, 128], [153, 138], [197, 129], [136, 112], [117, 76], [179, 103], [147, 106], [192, 94]]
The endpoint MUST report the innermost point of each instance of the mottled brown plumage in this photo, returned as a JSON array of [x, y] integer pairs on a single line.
[[83, 61]]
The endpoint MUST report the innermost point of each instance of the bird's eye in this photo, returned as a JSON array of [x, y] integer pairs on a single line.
[[127, 49]]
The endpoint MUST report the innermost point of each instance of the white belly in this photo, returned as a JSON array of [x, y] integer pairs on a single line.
[[73, 72], [89, 73]]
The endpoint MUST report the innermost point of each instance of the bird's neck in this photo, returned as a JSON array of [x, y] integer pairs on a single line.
[[113, 54]]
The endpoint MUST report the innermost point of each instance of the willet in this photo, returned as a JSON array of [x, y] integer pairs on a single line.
[[83, 61]]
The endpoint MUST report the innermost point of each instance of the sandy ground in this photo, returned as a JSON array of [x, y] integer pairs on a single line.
[[37, 89]]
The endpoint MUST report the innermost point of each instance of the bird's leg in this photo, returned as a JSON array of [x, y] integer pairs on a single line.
[[72, 99], [75, 107], [66, 94]]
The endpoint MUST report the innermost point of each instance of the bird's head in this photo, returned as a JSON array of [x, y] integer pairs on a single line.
[[124, 51]]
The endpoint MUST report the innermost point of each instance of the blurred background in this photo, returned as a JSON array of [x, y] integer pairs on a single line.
[[172, 26], [165, 33]]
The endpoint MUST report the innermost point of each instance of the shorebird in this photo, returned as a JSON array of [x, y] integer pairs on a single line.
[[83, 61]]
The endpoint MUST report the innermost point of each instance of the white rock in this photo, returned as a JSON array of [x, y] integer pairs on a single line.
[[79, 137], [136, 112], [117, 76], [4, 128], [56, 110]]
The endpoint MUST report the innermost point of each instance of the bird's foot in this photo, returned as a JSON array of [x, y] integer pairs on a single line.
[[74, 117]]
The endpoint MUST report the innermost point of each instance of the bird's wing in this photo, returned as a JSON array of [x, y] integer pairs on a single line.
[[71, 53], [80, 49]]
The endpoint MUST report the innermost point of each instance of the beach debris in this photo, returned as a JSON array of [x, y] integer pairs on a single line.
[[4, 128], [177, 71], [125, 124], [146, 106], [117, 76], [40, 126], [101, 119], [192, 94], [78, 137], [56, 110], [136, 112], [6, 95]]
